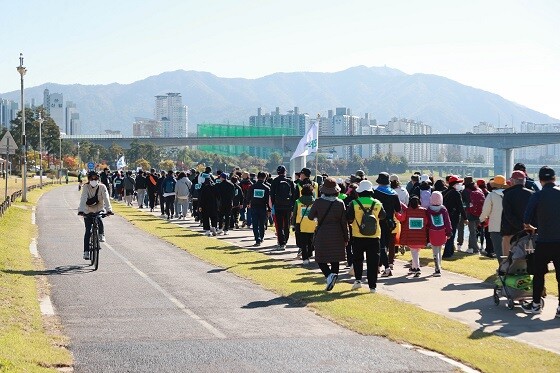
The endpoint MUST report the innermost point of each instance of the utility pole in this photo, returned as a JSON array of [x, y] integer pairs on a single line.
[[40, 120], [22, 70]]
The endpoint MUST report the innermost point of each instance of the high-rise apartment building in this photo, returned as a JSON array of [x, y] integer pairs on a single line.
[[171, 112], [412, 152], [73, 124], [542, 153], [54, 106], [8, 112], [294, 122], [144, 127], [345, 124]]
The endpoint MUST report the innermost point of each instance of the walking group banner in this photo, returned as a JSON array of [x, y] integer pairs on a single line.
[[309, 143]]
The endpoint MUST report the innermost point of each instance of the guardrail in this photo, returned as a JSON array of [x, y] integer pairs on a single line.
[[12, 198]]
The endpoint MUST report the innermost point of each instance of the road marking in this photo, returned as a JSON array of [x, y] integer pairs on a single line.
[[171, 298], [33, 215], [463, 367], [33, 248]]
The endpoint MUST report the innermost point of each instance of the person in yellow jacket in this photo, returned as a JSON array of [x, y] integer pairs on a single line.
[[366, 233], [304, 226]]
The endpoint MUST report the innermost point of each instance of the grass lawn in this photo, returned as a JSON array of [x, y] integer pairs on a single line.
[[24, 343], [368, 314], [476, 266], [15, 184]]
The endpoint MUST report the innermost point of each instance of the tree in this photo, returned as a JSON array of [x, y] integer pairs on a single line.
[[274, 161], [115, 151], [166, 165], [143, 164], [70, 162]]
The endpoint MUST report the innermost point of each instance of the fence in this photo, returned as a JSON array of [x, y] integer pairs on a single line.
[[11, 199]]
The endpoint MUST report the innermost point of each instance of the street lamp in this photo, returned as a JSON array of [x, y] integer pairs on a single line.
[[22, 70], [40, 120], [61, 164]]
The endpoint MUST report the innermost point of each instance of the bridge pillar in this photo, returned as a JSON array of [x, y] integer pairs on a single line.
[[500, 162], [509, 162], [296, 165]]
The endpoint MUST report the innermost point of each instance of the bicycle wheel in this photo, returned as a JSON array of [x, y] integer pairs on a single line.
[[93, 245], [95, 254]]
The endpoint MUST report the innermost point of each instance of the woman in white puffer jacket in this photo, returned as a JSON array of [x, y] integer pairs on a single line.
[[492, 211]]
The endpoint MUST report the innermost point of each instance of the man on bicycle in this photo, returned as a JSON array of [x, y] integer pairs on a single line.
[[94, 199]]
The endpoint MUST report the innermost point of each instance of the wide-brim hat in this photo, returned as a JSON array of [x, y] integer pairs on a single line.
[[383, 179], [365, 185], [330, 186], [499, 182]]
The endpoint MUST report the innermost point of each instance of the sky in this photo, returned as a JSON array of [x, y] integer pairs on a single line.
[[511, 47]]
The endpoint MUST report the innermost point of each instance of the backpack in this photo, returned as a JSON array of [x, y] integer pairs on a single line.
[[368, 225], [283, 197], [477, 201], [168, 186], [425, 195]]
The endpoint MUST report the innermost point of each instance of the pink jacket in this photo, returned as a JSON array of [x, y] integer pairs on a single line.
[[439, 225]]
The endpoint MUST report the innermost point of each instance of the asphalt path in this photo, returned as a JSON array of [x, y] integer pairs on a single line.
[[152, 307]]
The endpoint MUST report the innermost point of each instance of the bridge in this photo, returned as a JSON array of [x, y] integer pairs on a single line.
[[502, 143]]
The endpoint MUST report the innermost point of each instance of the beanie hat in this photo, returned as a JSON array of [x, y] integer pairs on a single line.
[[436, 199]]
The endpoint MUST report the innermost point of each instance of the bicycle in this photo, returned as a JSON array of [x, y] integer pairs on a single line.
[[94, 238]]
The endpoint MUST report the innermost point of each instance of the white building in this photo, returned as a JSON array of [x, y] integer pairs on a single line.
[[412, 152], [144, 127], [169, 109], [294, 122], [54, 106], [486, 155], [73, 124], [543, 153]]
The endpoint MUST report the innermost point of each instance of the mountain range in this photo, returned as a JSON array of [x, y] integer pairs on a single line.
[[384, 92]]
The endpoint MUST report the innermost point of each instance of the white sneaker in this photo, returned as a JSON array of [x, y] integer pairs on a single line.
[[86, 255], [351, 272], [226, 233], [213, 230], [306, 262], [373, 290], [469, 251], [101, 238], [387, 273], [207, 233], [219, 231], [357, 285]]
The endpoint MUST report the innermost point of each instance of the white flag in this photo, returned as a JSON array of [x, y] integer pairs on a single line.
[[121, 163], [309, 143]]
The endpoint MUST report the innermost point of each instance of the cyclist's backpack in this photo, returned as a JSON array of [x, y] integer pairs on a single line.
[[93, 200], [368, 225], [283, 196], [425, 195]]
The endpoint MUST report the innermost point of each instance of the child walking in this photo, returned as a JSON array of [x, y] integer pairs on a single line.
[[304, 227], [414, 231], [439, 228]]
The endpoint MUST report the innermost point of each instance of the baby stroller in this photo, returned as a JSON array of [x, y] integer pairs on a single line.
[[515, 281]]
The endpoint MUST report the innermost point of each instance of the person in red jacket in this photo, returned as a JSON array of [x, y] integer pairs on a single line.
[[414, 231], [439, 228]]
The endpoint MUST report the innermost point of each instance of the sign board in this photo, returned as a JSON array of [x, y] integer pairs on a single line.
[[91, 166], [8, 141]]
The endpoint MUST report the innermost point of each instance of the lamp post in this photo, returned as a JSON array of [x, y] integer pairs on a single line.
[[40, 120], [61, 164], [22, 70]]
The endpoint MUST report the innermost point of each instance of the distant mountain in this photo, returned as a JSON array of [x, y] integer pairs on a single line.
[[381, 91]]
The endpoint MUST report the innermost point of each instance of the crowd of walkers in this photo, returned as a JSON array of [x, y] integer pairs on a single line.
[[346, 221]]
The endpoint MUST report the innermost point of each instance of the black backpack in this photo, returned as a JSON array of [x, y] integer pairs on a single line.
[[283, 197], [368, 225]]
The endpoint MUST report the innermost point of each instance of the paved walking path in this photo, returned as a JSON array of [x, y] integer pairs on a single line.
[[164, 310], [456, 296]]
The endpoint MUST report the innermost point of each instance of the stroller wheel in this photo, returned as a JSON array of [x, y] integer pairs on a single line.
[[510, 304]]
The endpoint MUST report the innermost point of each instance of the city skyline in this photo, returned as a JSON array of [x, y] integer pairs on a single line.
[[504, 47]]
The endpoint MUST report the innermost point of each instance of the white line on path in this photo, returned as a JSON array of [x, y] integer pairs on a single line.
[[33, 248], [457, 364], [46, 306], [173, 300]]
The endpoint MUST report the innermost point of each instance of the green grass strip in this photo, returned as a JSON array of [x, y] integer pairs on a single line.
[[474, 265], [365, 313], [24, 343]]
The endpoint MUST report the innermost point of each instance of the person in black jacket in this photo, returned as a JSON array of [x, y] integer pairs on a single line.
[[391, 204], [257, 200], [226, 193], [542, 213], [282, 193], [141, 185], [152, 187], [453, 202], [208, 205], [514, 203], [529, 183], [237, 203], [159, 186]]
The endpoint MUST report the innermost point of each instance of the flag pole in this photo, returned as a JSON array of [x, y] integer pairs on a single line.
[[317, 152]]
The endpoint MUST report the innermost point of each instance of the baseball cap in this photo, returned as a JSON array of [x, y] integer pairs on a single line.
[[306, 172], [519, 167], [518, 175], [546, 173], [454, 179], [394, 177]]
